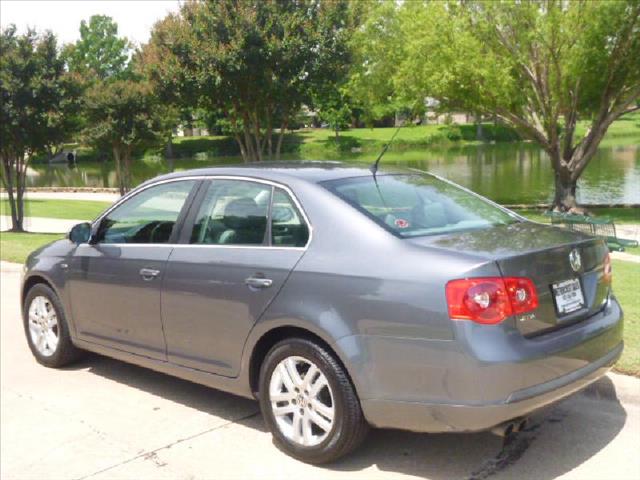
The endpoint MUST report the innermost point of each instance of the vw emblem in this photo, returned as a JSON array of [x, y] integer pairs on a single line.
[[575, 260]]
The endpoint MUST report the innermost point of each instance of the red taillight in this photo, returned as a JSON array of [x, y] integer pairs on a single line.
[[522, 294], [490, 300], [607, 272]]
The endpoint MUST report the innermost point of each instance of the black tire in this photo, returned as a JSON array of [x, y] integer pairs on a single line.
[[349, 428], [65, 352]]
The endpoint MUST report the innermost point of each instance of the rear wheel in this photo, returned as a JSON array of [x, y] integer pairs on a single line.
[[309, 403], [46, 328]]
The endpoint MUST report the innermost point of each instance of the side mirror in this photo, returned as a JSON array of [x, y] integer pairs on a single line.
[[80, 233]]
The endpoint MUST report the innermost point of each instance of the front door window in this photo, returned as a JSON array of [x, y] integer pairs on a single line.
[[148, 217]]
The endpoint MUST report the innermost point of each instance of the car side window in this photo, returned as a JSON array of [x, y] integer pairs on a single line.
[[233, 212], [288, 228], [148, 217]]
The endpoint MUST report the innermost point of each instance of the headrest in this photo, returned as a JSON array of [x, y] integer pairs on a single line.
[[243, 213]]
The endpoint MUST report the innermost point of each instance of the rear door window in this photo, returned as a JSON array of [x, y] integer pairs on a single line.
[[233, 212], [416, 204]]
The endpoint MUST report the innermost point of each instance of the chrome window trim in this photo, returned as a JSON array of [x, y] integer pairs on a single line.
[[196, 245]]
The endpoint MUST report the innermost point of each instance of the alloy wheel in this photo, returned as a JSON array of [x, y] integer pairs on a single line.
[[43, 326], [301, 401]]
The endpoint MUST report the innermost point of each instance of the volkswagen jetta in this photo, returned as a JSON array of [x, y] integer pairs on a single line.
[[339, 298]]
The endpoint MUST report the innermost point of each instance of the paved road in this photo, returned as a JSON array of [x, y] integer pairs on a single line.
[[103, 419]]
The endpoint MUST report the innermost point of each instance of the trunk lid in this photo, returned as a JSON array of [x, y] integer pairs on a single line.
[[542, 253]]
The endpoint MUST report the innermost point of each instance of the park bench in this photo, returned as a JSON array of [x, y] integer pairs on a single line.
[[599, 227]]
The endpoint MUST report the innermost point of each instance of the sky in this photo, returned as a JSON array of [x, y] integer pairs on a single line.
[[135, 18]]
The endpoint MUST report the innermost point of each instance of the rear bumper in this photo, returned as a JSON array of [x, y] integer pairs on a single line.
[[484, 377], [425, 417]]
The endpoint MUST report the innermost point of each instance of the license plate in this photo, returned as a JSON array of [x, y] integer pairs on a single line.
[[568, 296]]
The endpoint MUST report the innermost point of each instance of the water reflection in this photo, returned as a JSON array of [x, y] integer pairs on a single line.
[[506, 173]]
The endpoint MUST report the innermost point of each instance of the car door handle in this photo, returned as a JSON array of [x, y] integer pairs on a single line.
[[149, 273], [257, 282]]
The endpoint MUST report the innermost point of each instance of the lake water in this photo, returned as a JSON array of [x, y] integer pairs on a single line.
[[507, 172]]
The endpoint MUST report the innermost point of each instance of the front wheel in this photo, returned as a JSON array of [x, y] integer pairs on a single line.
[[46, 328], [309, 403]]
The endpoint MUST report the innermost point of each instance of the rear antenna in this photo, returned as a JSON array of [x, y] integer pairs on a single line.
[[374, 166]]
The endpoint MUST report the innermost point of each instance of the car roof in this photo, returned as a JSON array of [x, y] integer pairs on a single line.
[[308, 170]]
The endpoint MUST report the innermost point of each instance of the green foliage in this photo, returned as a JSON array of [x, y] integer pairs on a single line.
[[207, 146], [123, 115], [335, 110], [255, 61], [99, 53], [36, 93], [539, 67], [39, 107], [377, 51]]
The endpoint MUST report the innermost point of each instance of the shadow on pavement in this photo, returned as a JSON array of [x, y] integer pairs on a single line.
[[557, 439], [192, 395]]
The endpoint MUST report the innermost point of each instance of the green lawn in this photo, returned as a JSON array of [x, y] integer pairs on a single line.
[[67, 209], [322, 141], [14, 247], [626, 284]]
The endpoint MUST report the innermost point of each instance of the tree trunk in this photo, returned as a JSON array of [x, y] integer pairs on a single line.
[[17, 222], [248, 143], [243, 150], [127, 169], [168, 149], [283, 129], [117, 160], [565, 194], [256, 136], [14, 168], [168, 152], [20, 188], [269, 136], [479, 131]]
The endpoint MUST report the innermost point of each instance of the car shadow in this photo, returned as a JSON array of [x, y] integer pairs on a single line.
[[564, 435], [192, 395]]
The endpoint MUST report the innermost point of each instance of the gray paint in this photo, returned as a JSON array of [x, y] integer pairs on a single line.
[[376, 299]]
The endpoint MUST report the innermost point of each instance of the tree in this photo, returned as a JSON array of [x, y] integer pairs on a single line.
[[66, 121], [335, 109], [99, 53], [37, 95], [123, 115], [540, 67], [255, 61], [120, 110], [377, 50]]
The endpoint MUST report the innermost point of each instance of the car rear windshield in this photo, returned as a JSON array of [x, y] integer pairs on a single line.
[[412, 205]]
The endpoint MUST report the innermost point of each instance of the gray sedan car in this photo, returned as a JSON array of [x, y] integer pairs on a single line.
[[339, 298]]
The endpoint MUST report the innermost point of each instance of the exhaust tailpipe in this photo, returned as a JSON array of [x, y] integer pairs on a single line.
[[511, 426]]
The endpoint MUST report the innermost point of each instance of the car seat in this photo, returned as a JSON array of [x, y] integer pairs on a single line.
[[245, 223]]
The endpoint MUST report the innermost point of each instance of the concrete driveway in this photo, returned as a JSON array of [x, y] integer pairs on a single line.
[[105, 419]]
